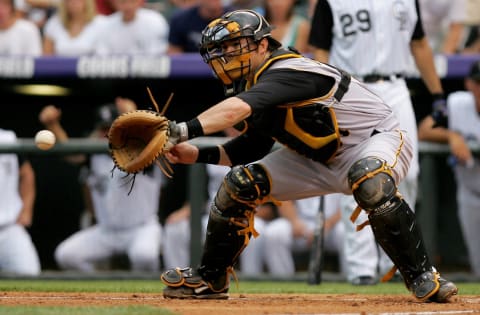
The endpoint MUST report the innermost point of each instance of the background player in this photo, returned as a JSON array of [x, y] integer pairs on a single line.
[[375, 41], [126, 216], [18, 255]]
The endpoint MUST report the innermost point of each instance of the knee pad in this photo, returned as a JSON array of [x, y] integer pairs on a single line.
[[371, 182], [243, 188]]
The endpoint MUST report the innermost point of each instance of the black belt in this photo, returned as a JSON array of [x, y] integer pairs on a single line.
[[342, 85], [372, 78]]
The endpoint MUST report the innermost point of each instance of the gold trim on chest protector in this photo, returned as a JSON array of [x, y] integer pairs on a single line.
[[312, 141]]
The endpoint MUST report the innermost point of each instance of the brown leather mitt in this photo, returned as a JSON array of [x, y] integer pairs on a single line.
[[137, 139]]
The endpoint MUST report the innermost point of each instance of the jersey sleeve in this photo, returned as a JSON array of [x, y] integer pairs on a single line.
[[418, 32], [281, 86], [321, 26], [258, 146]]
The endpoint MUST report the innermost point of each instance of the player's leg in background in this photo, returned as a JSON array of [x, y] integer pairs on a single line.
[[18, 254], [278, 243], [144, 249], [335, 229], [84, 249], [469, 218], [176, 244], [252, 257], [360, 247]]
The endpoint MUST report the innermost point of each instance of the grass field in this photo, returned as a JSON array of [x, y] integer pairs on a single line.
[[154, 287]]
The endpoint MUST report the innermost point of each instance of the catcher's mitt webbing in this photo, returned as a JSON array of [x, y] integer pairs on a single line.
[[138, 139]]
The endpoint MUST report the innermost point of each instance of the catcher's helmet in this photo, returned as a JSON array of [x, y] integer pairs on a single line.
[[233, 65]]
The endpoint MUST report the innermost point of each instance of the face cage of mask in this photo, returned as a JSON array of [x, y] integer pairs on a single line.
[[232, 65]]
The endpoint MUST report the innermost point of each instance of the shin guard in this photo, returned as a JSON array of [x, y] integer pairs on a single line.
[[398, 233]]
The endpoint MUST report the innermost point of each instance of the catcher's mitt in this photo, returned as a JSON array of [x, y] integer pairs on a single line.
[[139, 138]]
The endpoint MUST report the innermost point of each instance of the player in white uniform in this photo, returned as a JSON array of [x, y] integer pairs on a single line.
[[444, 22], [133, 30], [17, 194], [464, 127], [17, 36], [125, 212], [293, 232], [375, 41]]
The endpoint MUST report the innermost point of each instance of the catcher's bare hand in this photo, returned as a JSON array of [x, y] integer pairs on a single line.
[[183, 152]]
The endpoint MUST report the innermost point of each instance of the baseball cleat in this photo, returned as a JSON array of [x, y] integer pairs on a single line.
[[445, 292], [184, 283], [430, 286], [201, 292]]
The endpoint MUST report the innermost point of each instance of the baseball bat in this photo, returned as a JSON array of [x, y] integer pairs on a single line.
[[315, 264]]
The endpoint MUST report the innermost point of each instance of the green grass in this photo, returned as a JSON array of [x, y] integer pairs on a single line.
[[155, 286]]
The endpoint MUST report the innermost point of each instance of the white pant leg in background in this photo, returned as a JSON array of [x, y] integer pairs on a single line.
[[17, 252], [143, 247], [84, 249], [253, 256], [278, 244], [360, 249], [176, 244], [469, 218]]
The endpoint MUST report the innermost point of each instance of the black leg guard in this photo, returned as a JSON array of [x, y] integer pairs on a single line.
[[396, 230], [230, 224]]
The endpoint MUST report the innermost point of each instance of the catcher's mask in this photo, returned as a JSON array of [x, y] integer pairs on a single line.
[[228, 41]]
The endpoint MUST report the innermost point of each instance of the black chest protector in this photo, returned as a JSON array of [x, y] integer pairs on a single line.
[[308, 127]]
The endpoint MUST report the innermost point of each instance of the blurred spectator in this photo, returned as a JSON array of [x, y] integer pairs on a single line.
[[104, 7], [17, 188], [17, 36], [293, 232], [72, 31], [186, 25], [463, 131], [133, 29], [125, 209], [291, 29], [472, 45], [444, 24], [256, 5], [36, 11]]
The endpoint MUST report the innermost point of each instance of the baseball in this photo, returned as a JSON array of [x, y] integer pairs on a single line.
[[45, 139]]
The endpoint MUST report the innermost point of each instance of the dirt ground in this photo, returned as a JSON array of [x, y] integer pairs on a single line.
[[251, 304]]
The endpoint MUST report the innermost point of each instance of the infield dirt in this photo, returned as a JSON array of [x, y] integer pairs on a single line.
[[250, 304]]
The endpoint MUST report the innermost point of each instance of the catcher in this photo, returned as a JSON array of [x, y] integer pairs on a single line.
[[338, 137]]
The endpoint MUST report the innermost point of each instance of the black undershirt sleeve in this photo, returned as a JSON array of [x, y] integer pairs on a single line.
[[322, 26], [248, 147], [418, 32]]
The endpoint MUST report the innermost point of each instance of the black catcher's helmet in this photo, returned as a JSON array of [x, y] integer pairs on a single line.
[[233, 65]]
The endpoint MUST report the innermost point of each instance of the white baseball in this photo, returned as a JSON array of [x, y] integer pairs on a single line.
[[45, 139]]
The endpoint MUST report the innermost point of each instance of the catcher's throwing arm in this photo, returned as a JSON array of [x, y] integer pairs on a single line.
[[315, 264]]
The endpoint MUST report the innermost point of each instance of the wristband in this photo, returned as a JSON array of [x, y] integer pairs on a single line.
[[209, 155], [194, 128]]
